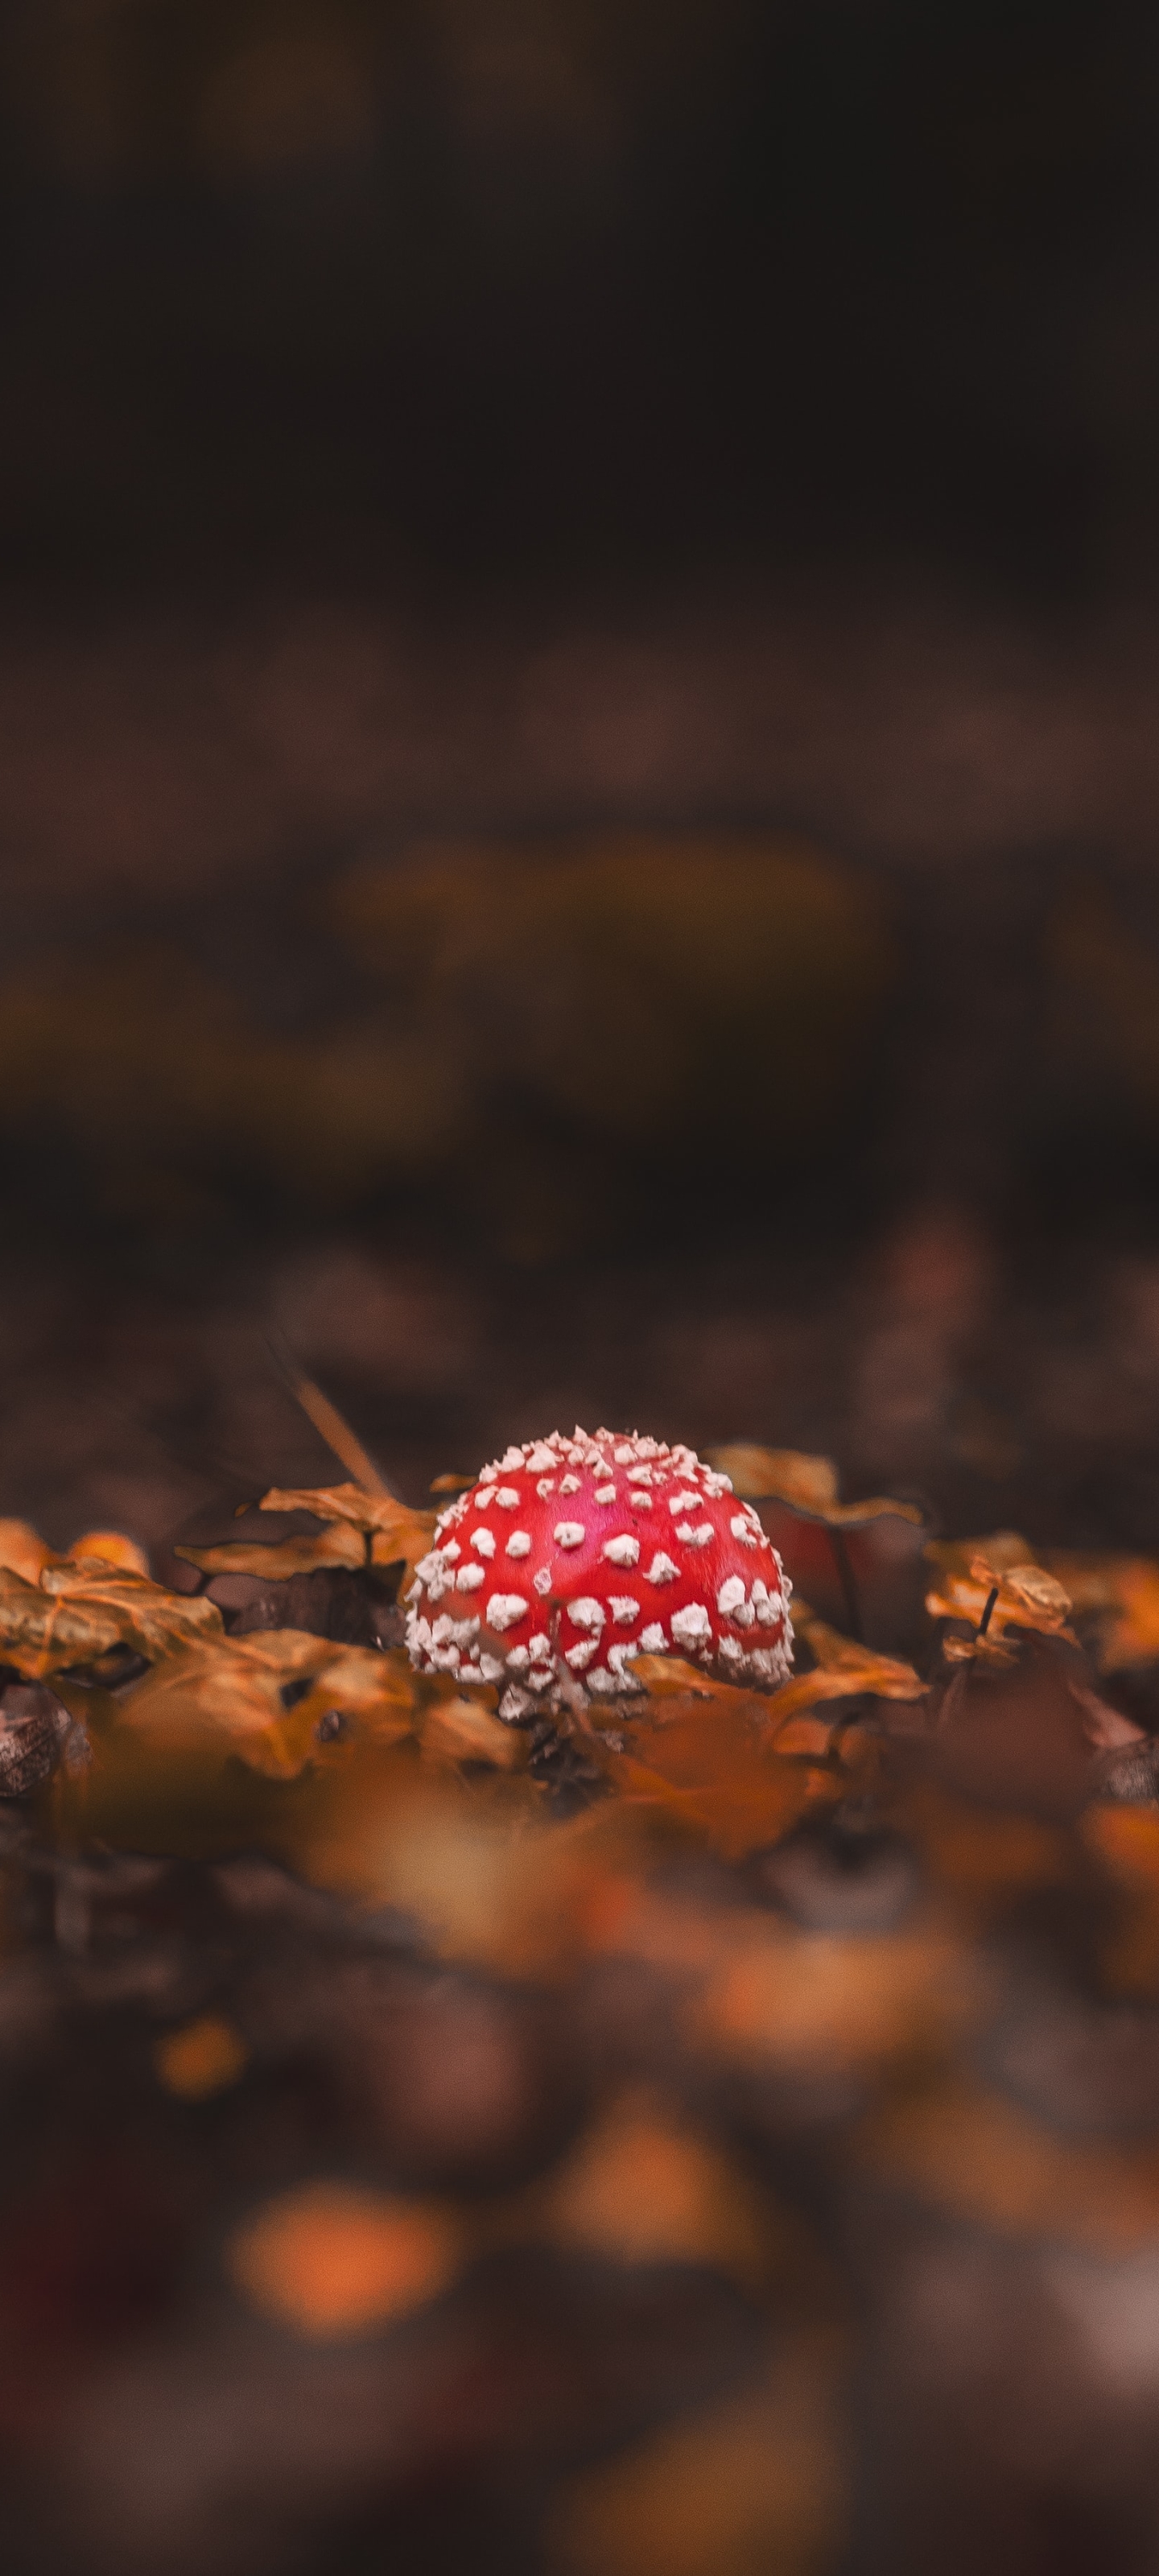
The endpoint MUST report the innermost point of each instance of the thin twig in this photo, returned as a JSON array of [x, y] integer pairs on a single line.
[[328, 1422]]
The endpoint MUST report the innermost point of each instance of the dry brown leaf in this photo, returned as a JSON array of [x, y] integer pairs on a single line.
[[451, 1483], [459, 1729], [394, 1530], [1026, 1595], [844, 1670], [150, 1617], [340, 1544], [224, 1695], [1122, 1594], [331, 2260], [808, 1485], [42, 1632], [713, 1773]]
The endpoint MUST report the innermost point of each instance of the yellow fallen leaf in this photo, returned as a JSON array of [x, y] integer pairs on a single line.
[[330, 2260]]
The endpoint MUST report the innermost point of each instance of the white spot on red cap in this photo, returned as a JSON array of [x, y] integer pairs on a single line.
[[483, 1542], [586, 1613], [662, 1569], [624, 1549], [469, 1578], [503, 1609], [579, 1656], [569, 1533], [541, 1582], [692, 1625], [743, 1530], [519, 1544], [652, 1639], [605, 1493], [623, 1609], [730, 1596]]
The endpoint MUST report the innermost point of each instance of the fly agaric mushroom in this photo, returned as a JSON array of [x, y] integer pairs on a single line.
[[568, 1558]]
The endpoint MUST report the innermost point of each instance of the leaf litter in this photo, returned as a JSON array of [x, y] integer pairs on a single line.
[[677, 1949]]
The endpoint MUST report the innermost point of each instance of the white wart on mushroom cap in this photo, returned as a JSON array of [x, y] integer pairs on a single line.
[[571, 1556]]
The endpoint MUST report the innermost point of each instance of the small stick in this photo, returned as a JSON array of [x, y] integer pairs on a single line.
[[327, 1421]]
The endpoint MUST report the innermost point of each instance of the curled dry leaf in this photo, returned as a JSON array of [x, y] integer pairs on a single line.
[[225, 1695], [808, 1485], [394, 1530], [76, 1613], [844, 1670], [714, 1773], [339, 1544], [984, 1579]]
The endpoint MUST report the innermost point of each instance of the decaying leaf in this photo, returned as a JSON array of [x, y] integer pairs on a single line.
[[361, 1528], [339, 1544], [808, 1485], [713, 1771], [394, 1530], [227, 1693], [843, 1671], [996, 1587]]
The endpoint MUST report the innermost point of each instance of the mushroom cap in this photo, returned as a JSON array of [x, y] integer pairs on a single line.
[[569, 1557]]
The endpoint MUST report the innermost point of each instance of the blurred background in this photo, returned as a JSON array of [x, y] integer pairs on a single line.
[[578, 764]]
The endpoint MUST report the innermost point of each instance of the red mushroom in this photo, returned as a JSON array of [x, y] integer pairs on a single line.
[[569, 1558]]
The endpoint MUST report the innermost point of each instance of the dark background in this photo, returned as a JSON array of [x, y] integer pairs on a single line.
[[568, 526]]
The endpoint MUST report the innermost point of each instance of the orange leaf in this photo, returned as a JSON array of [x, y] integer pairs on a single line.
[[337, 1545]]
